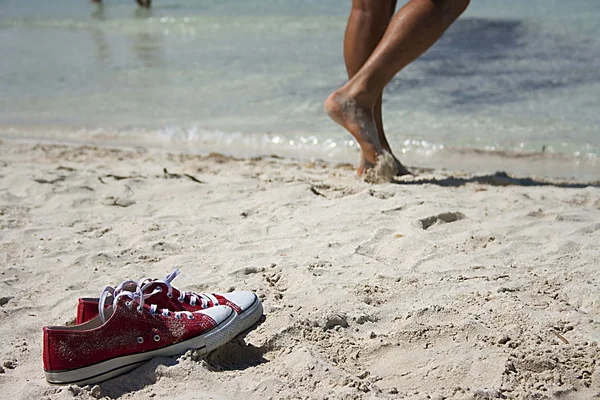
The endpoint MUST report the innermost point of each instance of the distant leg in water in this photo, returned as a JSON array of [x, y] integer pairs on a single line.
[[141, 3], [377, 45]]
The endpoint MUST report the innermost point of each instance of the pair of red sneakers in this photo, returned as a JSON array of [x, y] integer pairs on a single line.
[[134, 322]]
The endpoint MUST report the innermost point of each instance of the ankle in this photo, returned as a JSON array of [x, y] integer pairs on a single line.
[[360, 94]]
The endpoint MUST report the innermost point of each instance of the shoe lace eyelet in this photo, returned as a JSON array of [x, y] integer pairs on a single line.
[[191, 317], [140, 339], [156, 338], [128, 303], [170, 295], [140, 309]]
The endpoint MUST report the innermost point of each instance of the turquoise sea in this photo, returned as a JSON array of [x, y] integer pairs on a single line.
[[513, 85]]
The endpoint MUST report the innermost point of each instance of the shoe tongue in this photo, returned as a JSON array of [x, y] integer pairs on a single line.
[[162, 294], [153, 285], [124, 301], [130, 287], [165, 289]]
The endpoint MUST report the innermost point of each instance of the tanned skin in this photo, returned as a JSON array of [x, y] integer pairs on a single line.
[[377, 45]]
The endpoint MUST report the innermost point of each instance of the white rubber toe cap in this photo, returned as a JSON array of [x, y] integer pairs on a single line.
[[218, 313], [242, 299]]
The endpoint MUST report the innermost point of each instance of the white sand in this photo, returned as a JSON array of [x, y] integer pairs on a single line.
[[451, 289]]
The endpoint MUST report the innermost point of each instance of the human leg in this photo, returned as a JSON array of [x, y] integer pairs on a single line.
[[413, 30], [366, 25]]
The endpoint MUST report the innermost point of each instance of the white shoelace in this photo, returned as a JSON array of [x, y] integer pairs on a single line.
[[205, 298], [136, 291]]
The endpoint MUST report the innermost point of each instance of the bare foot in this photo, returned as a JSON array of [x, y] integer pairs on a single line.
[[359, 122], [400, 169], [363, 165]]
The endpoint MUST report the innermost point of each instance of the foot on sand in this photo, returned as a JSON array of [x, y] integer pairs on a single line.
[[358, 120], [399, 168]]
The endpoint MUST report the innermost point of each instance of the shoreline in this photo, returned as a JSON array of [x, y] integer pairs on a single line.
[[446, 285], [545, 165]]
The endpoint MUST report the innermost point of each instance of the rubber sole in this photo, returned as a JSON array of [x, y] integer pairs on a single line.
[[216, 337]]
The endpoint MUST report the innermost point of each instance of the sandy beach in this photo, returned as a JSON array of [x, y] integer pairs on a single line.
[[441, 286]]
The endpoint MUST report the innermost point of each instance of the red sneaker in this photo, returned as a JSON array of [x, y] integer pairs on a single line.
[[133, 333], [166, 296]]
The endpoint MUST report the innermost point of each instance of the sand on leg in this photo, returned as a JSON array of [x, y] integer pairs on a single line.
[[367, 23]]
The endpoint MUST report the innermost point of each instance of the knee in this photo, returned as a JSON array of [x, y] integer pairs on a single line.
[[451, 9], [374, 6], [457, 6], [462, 5]]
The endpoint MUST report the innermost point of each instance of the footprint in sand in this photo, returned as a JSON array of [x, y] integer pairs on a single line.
[[445, 217]]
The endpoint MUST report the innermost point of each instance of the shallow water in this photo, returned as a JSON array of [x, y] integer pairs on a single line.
[[249, 77]]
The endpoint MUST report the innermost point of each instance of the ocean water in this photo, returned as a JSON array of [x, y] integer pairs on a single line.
[[513, 85]]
